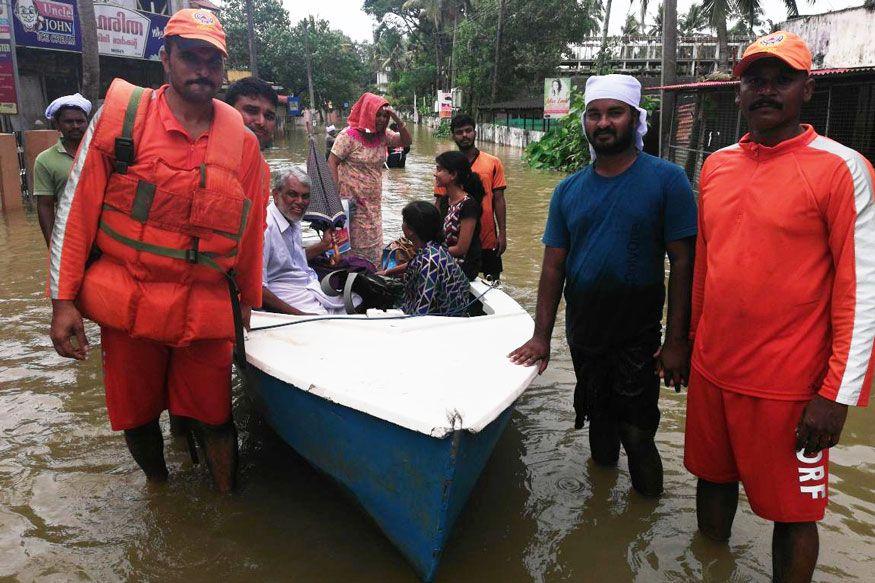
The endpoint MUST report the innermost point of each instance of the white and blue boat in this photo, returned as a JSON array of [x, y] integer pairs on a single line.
[[404, 412]]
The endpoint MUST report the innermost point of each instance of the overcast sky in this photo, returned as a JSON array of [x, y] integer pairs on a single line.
[[346, 15]]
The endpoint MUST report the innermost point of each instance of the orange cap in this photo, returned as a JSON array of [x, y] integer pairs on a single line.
[[783, 45], [197, 25]]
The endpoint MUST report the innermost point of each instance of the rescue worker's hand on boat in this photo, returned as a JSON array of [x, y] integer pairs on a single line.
[[66, 325], [536, 350]]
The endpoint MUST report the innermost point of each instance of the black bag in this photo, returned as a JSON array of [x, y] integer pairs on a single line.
[[376, 291]]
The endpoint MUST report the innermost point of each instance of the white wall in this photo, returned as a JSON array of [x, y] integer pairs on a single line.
[[838, 39], [498, 134]]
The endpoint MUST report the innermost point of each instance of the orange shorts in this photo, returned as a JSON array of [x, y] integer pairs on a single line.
[[143, 378], [732, 437]]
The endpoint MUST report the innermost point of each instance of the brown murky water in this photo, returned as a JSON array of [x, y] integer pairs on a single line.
[[73, 506]]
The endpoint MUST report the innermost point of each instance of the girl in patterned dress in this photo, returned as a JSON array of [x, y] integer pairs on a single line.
[[434, 283], [460, 209], [357, 160]]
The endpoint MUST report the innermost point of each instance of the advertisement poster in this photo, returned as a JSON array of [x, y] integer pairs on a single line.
[[445, 104], [121, 32], [557, 97], [8, 98], [294, 105]]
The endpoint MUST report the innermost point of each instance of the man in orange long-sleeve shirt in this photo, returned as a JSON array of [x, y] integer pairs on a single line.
[[162, 217], [783, 318]]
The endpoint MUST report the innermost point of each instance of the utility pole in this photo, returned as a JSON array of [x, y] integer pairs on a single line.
[[453, 52], [90, 57], [307, 57], [498, 34], [603, 51], [669, 73], [250, 27]]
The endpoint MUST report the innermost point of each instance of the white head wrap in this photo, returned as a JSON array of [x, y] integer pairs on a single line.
[[622, 88], [74, 100]]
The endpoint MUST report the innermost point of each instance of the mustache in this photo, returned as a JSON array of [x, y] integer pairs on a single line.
[[765, 103], [607, 131], [200, 80]]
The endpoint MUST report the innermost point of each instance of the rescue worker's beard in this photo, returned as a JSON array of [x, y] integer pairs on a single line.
[[188, 93]]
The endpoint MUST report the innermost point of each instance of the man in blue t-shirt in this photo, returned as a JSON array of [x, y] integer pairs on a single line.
[[608, 231]]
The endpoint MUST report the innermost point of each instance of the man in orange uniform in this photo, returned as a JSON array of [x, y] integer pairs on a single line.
[[783, 319], [162, 218], [493, 218]]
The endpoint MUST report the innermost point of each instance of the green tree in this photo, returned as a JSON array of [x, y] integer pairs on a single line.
[[535, 34], [720, 11], [631, 26], [694, 21], [340, 72]]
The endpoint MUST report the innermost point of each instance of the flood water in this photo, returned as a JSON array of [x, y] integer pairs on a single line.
[[74, 506]]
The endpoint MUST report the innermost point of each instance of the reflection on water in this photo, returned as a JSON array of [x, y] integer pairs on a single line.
[[73, 506]]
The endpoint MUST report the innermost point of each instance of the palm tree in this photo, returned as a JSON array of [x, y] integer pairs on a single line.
[[631, 26], [643, 19], [718, 12], [694, 21], [656, 29], [90, 57]]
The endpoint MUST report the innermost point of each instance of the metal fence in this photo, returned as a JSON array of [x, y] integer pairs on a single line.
[[705, 121]]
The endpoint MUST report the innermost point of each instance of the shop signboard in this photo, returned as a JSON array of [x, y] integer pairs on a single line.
[[557, 97], [121, 32], [47, 24], [294, 106], [8, 98]]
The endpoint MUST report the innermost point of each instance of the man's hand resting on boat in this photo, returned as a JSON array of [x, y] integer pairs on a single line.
[[66, 325], [536, 350]]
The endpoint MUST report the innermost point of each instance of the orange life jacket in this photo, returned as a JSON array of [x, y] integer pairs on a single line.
[[168, 237]]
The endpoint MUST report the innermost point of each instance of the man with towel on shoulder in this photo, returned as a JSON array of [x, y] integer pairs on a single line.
[[608, 230]]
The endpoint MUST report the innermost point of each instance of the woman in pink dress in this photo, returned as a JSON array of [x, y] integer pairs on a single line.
[[357, 160]]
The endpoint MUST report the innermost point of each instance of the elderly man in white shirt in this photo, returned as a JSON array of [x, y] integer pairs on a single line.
[[290, 286]]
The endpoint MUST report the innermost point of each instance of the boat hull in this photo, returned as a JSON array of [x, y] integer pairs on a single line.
[[413, 485]]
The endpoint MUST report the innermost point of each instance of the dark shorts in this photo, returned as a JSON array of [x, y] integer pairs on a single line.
[[490, 264], [619, 385]]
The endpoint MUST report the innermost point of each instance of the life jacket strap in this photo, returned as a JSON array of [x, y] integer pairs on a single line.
[[192, 255], [124, 144]]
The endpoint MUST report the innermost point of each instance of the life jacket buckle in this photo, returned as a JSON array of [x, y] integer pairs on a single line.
[[124, 154]]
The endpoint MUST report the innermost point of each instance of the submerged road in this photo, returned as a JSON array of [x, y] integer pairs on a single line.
[[74, 506]]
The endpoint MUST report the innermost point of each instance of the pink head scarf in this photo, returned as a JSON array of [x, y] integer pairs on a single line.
[[363, 115]]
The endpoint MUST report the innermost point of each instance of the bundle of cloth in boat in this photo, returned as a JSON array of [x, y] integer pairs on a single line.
[[399, 251], [375, 291]]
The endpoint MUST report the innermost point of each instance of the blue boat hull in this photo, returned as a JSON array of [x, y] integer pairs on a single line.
[[414, 486]]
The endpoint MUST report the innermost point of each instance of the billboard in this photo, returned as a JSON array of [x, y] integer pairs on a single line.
[[294, 106], [557, 97], [121, 32], [46, 24], [8, 97], [444, 104]]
